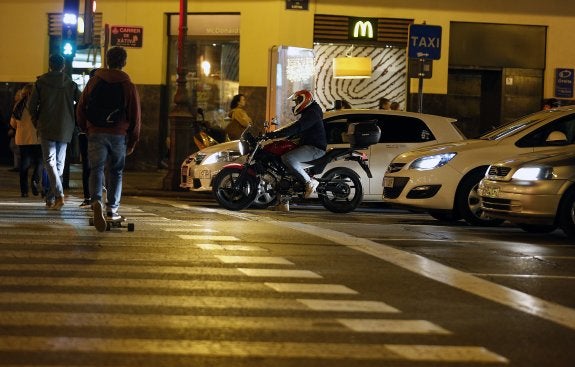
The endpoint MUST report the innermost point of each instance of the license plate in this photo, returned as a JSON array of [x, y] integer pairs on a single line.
[[388, 182], [491, 191], [205, 173]]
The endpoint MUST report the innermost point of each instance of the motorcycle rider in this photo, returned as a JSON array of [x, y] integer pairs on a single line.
[[312, 144]]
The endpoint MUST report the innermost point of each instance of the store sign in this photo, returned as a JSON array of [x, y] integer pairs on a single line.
[[212, 25], [297, 4], [126, 36], [362, 28], [564, 83]]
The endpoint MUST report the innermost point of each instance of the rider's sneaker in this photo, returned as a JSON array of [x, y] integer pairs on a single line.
[[281, 207], [113, 216], [310, 187], [99, 220]]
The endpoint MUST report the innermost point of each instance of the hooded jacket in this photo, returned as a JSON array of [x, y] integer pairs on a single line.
[[51, 106], [130, 126]]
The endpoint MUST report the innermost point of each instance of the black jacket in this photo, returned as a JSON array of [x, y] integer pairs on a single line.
[[309, 128]]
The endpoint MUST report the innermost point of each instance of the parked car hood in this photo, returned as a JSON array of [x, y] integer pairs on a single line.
[[459, 146], [557, 157]]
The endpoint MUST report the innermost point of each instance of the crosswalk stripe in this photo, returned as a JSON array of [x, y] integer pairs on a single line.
[[254, 260], [192, 257], [347, 305], [310, 288], [223, 348], [207, 237], [195, 229], [126, 270], [215, 247], [393, 326], [229, 303], [283, 273]]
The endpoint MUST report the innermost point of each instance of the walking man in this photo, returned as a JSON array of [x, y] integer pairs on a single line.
[[109, 112], [51, 106]]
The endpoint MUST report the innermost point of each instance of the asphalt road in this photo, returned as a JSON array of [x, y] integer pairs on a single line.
[[196, 285]]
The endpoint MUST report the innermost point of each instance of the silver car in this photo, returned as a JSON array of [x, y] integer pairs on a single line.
[[535, 191]]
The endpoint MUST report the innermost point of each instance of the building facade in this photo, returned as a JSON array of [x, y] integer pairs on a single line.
[[494, 65]]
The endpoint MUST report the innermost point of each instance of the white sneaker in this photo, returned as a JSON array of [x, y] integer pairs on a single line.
[[99, 219], [310, 187], [281, 207]]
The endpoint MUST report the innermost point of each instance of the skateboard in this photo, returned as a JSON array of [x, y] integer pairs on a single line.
[[118, 223]]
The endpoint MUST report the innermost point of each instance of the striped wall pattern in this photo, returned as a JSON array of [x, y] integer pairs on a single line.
[[389, 76]]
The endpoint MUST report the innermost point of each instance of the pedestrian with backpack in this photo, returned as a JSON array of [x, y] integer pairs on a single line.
[[109, 113]]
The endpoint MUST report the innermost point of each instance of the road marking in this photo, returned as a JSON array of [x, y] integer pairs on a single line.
[[347, 305], [207, 237], [280, 273], [393, 326], [528, 276], [246, 349], [310, 288], [420, 265], [183, 229], [423, 266], [190, 302], [214, 247], [254, 260]]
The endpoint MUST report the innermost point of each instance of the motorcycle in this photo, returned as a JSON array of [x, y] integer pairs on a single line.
[[237, 185]]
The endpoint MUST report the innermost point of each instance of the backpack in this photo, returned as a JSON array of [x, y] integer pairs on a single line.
[[105, 106]]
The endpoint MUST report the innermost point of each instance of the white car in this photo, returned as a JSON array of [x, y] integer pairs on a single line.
[[442, 179], [536, 191], [400, 131]]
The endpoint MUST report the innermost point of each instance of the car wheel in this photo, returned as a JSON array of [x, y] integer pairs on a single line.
[[468, 202], [566, 214], [536, 228], [445, 216]]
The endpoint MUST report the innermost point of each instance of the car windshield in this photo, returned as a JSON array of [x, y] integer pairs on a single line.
[[516, 126]]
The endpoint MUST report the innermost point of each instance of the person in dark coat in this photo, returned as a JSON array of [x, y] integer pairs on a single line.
[[51, 107]]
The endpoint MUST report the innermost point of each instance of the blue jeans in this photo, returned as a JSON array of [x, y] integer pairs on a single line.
[[54, 153], [294, 160], [107, 151]]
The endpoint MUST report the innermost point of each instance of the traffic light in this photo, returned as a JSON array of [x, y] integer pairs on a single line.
[[69, 28]]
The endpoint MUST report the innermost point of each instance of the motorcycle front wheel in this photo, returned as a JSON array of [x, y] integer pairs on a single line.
[[232, 194], [341, 190]]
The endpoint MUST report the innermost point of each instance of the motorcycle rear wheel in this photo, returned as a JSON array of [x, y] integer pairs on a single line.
[[234, 198], [342, 191]]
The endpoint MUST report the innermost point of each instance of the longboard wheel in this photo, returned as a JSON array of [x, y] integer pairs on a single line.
[[131, 227]]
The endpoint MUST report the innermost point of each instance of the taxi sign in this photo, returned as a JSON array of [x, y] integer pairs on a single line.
[[424, 41]]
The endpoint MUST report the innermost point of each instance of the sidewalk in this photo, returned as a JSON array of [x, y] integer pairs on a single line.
[[135, 183]]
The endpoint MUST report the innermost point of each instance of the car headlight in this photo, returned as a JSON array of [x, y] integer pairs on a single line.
[[225, 156], [431, 161], [533, 173]]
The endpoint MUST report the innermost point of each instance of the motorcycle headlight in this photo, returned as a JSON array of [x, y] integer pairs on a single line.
[[431, 161], [533, 173]]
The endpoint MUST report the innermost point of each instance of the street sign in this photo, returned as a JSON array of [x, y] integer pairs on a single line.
[[126, 36], [564, 83], [424, 41], [420, 68]]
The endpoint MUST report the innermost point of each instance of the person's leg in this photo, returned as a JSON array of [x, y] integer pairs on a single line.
[[60, 163], [49, 156], [116, 163], [36, 157], [294, 160], [25, 160], [83, 145], [97, 156]]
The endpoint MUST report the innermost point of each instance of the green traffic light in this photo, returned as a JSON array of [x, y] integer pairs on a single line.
[[68, 49]]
